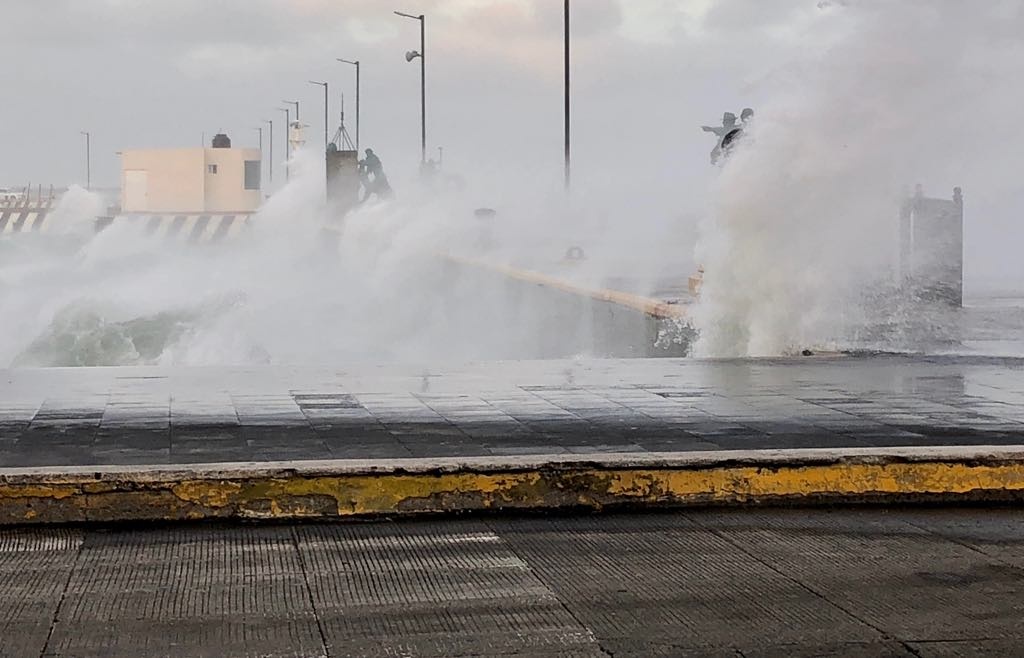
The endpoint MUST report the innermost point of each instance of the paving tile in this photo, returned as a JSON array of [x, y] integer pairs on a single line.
[[633, 404]]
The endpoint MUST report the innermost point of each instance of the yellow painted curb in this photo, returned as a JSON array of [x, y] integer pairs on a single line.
[[341, 489]]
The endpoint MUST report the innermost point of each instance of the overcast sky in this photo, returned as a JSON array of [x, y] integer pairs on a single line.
[[140, 73], [647, 74]]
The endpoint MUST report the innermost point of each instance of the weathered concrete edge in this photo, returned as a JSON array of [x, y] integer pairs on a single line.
[[680, 459], [291, 490]]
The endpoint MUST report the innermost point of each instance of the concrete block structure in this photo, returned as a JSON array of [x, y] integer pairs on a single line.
[[220, 179], [931, 246], [342, 178]]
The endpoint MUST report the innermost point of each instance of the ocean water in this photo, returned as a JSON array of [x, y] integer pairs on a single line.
[[118, 298]]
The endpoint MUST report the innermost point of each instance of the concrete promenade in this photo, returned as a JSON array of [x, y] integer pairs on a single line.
[[154, 416], [277, 443], [798, 582]]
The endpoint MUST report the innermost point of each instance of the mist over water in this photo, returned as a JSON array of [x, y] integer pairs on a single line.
[[798, 233], [801, 238], [300, 285], [281, 292]]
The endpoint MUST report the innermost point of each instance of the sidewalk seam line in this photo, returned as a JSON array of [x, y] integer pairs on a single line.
[[448, 421], [63, 596], [533, 572], [958, 542], [309, 591], [885, 635]]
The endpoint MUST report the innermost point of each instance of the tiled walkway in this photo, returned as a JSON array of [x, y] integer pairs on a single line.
[[90, 416]]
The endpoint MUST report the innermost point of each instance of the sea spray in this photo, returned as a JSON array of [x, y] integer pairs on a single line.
[[76, 212], [802, 227], [303, 285]]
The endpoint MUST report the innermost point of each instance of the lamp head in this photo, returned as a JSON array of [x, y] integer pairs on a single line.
[[411, 55]]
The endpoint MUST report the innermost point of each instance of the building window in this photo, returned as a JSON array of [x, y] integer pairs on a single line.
[[211, 169], [252, 174]]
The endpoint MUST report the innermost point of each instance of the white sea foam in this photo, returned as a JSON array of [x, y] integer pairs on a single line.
[[802, 229], [300, 286]]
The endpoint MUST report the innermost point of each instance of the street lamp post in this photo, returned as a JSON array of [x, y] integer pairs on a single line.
[[422, 55], [326, 101], [287, 146], [88, 160], [567, 143], [271, 160], [296, 104], [288, 138], [356, 64], [259, 129]]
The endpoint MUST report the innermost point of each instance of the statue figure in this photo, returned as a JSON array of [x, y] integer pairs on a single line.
[[728, 125], [378, 184], [728, 133]]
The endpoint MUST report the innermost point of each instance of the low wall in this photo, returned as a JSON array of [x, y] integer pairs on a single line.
[[555, 319]]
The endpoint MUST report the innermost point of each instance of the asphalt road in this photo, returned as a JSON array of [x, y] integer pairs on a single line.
[[792, 582]]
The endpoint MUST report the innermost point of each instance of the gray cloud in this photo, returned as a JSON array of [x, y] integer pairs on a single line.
[[647, 74], [160, 73]]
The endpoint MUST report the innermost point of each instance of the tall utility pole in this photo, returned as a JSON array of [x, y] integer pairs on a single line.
[[88, 160], [287, 147], [409, 56], [568, 168], [356, 64], [296, 104], [271, 160], [326, 101], [260, 130]]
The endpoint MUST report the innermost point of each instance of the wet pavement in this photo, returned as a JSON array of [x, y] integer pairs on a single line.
[[88, 416], [869, 582]]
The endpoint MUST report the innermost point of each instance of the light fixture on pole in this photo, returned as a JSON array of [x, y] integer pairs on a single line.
[[296, 104], [88, 160], [259, 129], [568, 169], [326, 101], [356, 64], [270, 122], [422, 55], [287, 147]]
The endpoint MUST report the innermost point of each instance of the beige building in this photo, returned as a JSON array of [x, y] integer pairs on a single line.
[[219, 179]]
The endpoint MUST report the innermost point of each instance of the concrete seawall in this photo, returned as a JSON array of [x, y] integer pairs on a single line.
[[557, 318]]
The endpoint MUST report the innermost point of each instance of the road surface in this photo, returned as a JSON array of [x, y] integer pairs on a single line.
[[771, 582]]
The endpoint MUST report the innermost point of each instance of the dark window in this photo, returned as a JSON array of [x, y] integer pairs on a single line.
[[252, 174], [211, 169]]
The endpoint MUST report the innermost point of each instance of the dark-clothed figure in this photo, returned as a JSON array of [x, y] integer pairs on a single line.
[[378, 183], [372, 163]]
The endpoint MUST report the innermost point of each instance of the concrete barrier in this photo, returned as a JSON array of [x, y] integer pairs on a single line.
[[349, 488], [181, 227], [24, 217], [563, 318]]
